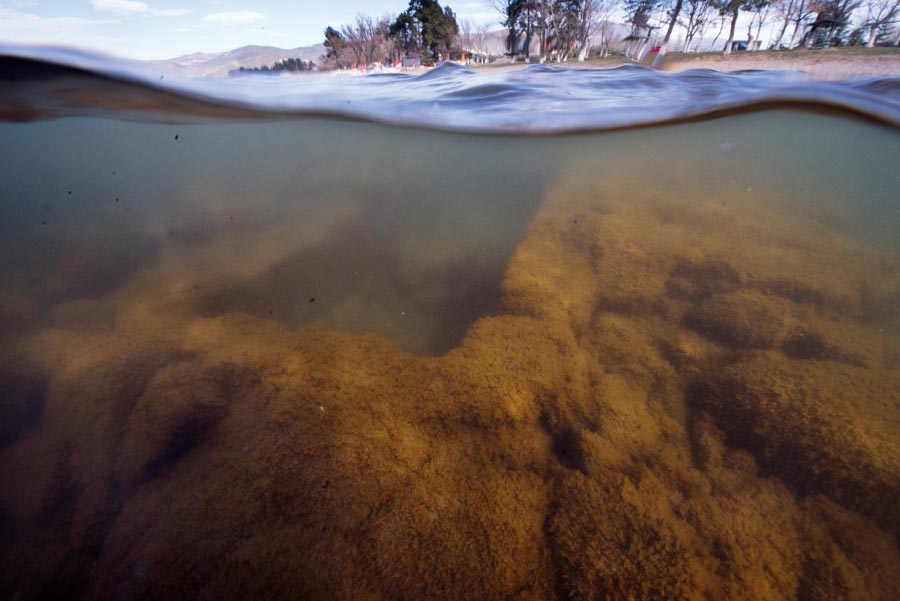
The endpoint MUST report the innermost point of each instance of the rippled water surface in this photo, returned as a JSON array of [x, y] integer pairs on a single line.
[[258, 341]]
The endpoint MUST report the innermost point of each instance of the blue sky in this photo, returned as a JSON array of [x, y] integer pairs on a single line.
[[150, 29]]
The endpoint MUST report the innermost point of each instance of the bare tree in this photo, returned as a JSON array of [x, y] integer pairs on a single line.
[[760, 15], [721, 20], [465, 38], [365, 41], [673, 18], [606, 31], [696, 17], [784, 10], [360, 38], [385, 49], [805, 9], [588, 18], [880, 15], [713, 19], [731, 9], [546, 18], [555, 33], [482, 39], [473, 39]]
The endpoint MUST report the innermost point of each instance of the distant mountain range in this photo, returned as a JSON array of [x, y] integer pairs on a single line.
[[218, 64]]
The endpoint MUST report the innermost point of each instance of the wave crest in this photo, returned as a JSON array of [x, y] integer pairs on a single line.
[[47, 83]]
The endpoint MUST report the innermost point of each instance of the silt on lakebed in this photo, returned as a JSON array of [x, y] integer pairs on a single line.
[[619, 365]]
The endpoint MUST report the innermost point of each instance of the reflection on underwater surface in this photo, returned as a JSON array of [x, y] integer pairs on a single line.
[[310, 359]]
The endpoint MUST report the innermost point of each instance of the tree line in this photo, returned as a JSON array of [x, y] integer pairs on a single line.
[[425, 30], [288, 65], [564, 29]]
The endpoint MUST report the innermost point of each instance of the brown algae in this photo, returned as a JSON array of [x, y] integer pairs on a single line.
[[658, 371]]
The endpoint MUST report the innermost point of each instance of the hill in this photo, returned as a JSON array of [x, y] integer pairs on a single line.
[[218, 64]]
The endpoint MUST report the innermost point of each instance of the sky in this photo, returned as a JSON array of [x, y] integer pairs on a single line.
[[156, 29]]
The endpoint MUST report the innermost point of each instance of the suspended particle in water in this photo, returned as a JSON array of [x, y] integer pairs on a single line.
[[176, 136], [728, 147]]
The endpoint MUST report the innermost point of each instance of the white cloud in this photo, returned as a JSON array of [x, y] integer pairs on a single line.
[[231, 18], [27, 28], [16, 24], [133, 7], [120, 7], [228, 19]]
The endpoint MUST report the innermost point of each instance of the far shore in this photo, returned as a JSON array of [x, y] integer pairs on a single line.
[[827, 64]]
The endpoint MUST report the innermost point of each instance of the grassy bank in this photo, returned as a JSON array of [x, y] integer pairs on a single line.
[[823, 63]]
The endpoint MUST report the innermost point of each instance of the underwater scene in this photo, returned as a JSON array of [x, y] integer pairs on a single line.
[[444, 343]]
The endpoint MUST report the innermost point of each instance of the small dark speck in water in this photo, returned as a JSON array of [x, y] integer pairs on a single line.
[[70, 193], [327, 483], [575, 221], [231, 217], [43, 223], [312, 300], [176, 136], [46, 207], [117, 200]]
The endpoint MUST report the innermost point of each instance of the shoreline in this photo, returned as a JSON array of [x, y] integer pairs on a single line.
[[830, 64]]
